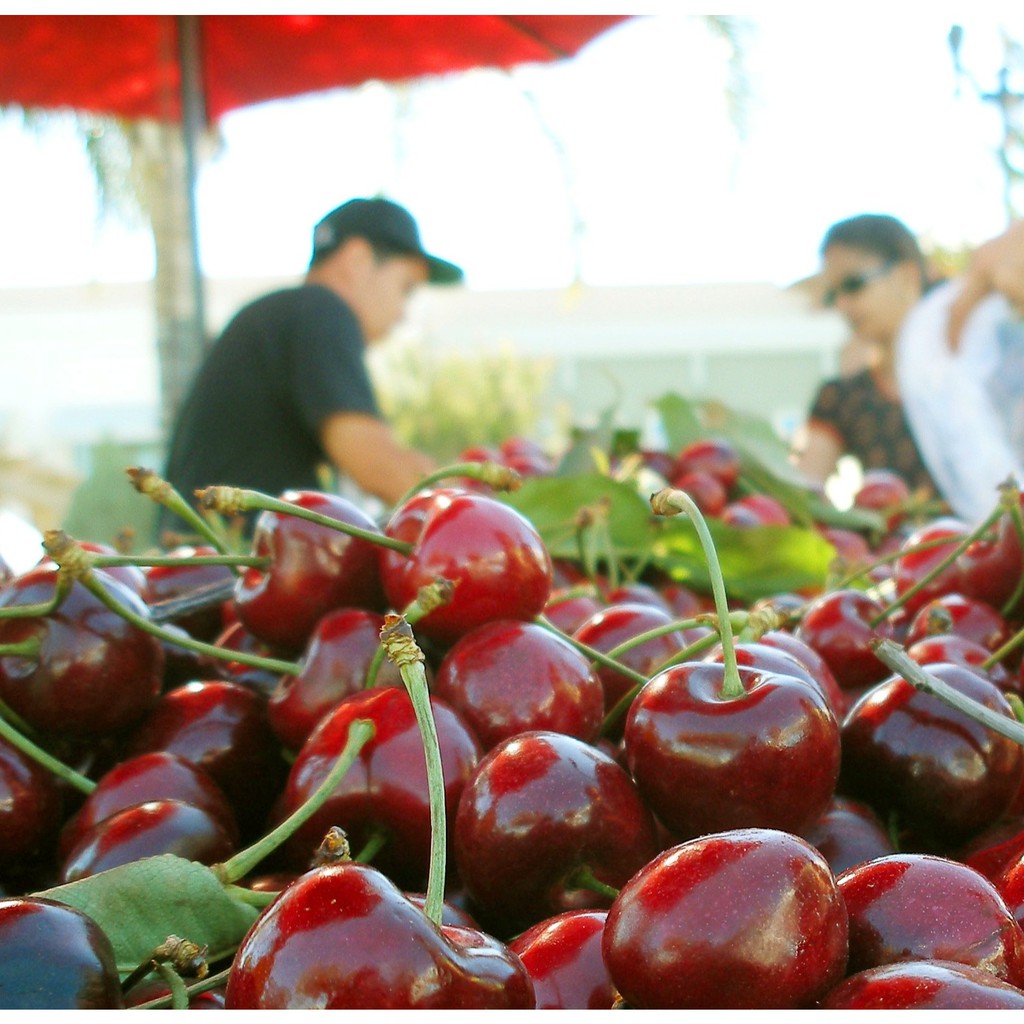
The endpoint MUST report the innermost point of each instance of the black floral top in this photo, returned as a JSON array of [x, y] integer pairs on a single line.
[[870, 426]]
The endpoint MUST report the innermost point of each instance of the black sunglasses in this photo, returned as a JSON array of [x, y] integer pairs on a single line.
[[857, 282]]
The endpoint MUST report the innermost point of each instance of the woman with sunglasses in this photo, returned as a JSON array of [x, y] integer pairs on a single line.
[[874, 274]]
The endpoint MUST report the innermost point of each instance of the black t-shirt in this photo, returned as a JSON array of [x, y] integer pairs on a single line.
[[252, 419], [870, 426]]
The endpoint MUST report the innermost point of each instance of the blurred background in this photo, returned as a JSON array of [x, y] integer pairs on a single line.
[[641, 217]]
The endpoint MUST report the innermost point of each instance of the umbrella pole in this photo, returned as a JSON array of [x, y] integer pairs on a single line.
[[193, 120]]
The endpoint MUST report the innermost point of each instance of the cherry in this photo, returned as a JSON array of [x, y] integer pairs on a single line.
[[995, 848], [54, 957], [543, 814], [158, 775], [943, 775], [964, 616], [526, 457], [31, 808], [491, 554], [992, 565], [95, 673], [335, 665], [345, 937], [841, 625], [567, 609], [222, 727], [710, 455], [383, 798], [787, 641], [508, 677], [913, 566], [617, 624], [910, 906], [923, 985], [852, 548], [746, 918], [235, 637], [708, 492], [1009, 884], [562, 954], [848, 833], [636, 592], [775, 743], [167, 582], [145, 830], [314, 569], [884, 491], [959, 650], [756, 510]]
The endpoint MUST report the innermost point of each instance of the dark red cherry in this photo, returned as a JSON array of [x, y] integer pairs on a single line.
[[31, 806], [849, 832], [168, 582], [711, 455]]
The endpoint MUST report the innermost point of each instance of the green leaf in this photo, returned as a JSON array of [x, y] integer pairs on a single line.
[[756, 561], [680, 421], [580, 457], [553, 504], [139, 904]]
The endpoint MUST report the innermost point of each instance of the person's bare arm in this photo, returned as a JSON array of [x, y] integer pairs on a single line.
[[996, 266], [816, 452], [366, 450]]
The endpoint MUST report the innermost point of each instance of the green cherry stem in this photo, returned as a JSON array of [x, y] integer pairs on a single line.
[[901, 663], [584, 878], [670, 501], [100, 561], [1008, 648], [592, 652], [77, 562], [18, 739], [230, 871], [233, 500], [401, 648], [148, 483], [494, 474]]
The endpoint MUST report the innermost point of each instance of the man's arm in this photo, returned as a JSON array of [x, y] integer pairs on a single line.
[[365, 449]]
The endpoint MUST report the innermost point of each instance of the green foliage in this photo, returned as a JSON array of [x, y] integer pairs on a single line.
[[445, 402]]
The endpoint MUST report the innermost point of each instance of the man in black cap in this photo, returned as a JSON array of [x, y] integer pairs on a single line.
[[285, 391]]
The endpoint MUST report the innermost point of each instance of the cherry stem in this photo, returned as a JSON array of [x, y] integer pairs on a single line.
[[889, 556], [146, 482], [401, 648], [593, 653], [100, 561], [359, 733], [1017, 519], [28, 611], [178, 956], [670, 501], [75, 560], [371, 847], [211, 981], [1001, 652], [939, 566], [900, 662], [236, 499], [584, 878], [494, 474], [29, 648], [37, 753]]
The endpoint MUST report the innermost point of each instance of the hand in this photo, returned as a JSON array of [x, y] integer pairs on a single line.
[[996, 266]]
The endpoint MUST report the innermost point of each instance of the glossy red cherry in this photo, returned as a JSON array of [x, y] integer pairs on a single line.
[[747, 918], [54, 957], [222, 727], [923, 985], [708, 492], [541, 813], [908, 906], [787, 641], [344, 937], [335, 665], [158, 775], [959, 650], [883, 491], [756, 510], [146, 830], [914, 566], [562, 955], [167, 582], [235, 637], [313, 570], [943, 775], [715, 456], [776, 749], [841, 625], [508, 677], [384, 795], [493, 556], [567, 610], [849, 832], [963, 616], [31, 807], [992, 565], [95, 674]]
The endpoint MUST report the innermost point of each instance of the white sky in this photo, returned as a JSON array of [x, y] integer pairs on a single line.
[[854, 108]]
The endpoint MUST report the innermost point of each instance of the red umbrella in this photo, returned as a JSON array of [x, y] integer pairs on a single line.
[[194, 68]]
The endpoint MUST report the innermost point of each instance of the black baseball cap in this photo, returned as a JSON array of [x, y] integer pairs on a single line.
[[382, 221]]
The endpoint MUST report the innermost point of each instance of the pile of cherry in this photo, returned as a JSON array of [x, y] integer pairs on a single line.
[[650, 798]]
